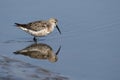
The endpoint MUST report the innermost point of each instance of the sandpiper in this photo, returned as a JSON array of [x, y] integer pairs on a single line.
[[39, 28]]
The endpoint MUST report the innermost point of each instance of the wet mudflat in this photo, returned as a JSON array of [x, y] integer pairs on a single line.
[[89, 44], [11, 69]]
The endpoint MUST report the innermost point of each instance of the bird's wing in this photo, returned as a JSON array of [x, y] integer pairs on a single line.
[[37, 25]]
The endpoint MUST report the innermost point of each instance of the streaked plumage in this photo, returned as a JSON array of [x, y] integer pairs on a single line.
[[39, 28]]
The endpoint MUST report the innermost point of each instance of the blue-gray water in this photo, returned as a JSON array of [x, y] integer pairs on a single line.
[[90, 41]]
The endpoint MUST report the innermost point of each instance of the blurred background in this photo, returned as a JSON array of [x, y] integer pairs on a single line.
[[90, 42]]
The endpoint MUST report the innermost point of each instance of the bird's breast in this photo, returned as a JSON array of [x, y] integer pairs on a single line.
[[43, 32]]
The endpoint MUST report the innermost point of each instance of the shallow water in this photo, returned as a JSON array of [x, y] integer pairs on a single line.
[[90, 42]]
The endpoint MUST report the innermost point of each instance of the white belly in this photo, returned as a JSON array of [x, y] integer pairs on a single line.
[[43, 32]]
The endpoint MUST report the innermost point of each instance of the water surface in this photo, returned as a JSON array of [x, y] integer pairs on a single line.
[[90, 42]]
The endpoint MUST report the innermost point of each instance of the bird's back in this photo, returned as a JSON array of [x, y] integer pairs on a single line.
[[35, 26]]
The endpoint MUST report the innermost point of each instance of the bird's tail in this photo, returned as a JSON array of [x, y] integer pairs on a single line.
[[18, 25], [20, 52], [16, 52]]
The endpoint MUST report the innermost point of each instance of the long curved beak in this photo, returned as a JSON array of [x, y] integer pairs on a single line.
[[58, 29], [58, 50]]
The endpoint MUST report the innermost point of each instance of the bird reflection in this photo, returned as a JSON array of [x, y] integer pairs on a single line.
[[40, 51]]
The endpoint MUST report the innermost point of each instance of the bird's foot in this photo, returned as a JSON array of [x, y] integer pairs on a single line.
[[34, 39]]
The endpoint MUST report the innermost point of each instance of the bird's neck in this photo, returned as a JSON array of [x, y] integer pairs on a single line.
[[52, 27]]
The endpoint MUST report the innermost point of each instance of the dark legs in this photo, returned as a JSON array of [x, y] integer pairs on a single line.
[[34, 39]]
